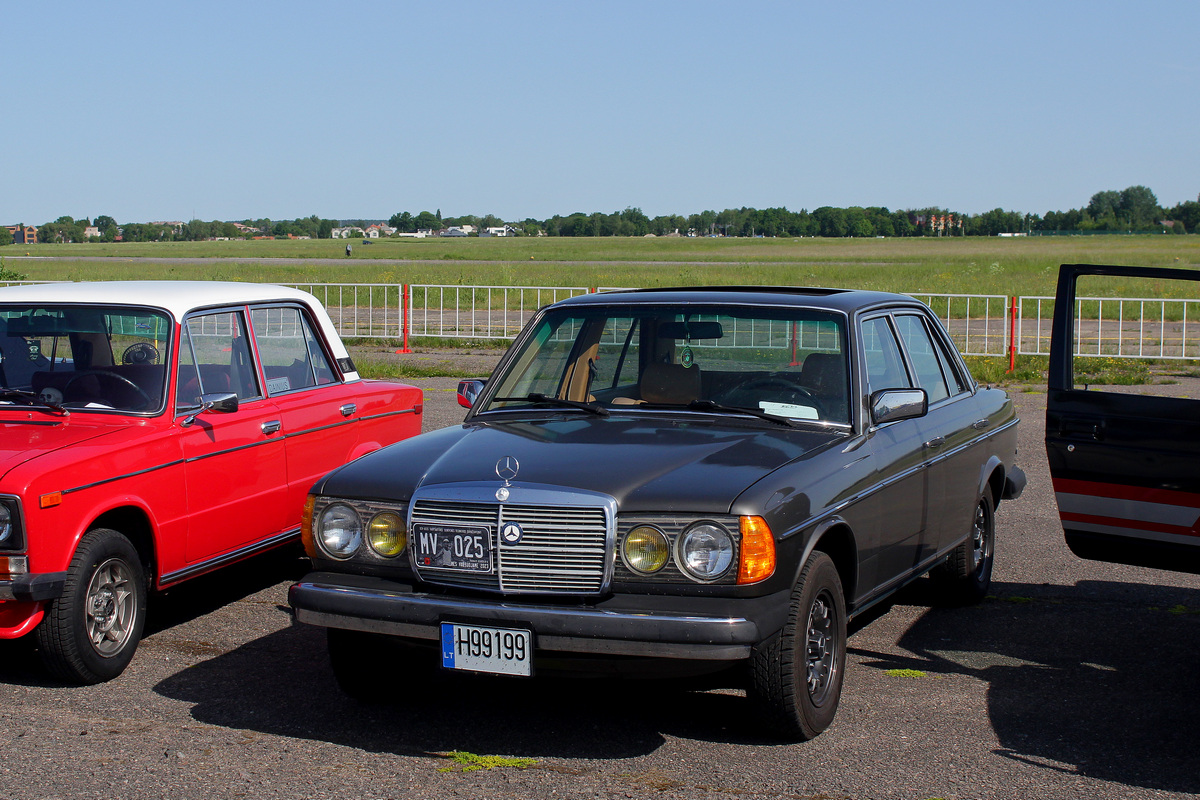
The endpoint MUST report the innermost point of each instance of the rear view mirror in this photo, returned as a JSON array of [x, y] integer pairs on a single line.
[[469, 391], [889, 405], [221, 402]]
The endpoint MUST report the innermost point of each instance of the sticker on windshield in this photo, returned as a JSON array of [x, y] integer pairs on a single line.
[[788, 410]]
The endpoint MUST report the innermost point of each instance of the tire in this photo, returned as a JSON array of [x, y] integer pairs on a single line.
[[967, 574], [796, 677], [90, 633]]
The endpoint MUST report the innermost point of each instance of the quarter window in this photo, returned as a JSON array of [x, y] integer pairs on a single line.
[[885, 366], [214, 356], [923, 355], [290, 352]]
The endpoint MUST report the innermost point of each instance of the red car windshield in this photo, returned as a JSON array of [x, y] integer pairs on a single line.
[[84, 357]]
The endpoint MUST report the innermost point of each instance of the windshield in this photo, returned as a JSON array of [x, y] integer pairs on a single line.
[[783, 362], [83, 357]]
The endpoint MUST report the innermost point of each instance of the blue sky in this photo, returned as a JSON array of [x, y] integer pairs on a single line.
[[221, 110]]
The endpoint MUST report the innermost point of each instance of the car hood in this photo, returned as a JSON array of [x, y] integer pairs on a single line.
[[646, 464], [22, 440]]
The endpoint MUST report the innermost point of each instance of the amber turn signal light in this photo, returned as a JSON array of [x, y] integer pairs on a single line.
[[757, 551]]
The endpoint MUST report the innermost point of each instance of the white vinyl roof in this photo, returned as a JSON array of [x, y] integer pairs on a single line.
[[176, 297]]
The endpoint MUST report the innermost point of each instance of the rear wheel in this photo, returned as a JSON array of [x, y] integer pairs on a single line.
[[796, 677], [967, 574], [89, 633]]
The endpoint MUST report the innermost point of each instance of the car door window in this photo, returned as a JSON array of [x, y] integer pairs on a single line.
[[214, 356], [884, 364], [291, 354], [923, 356]]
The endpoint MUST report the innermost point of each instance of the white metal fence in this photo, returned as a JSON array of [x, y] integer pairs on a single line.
[[1116, 327], [979, 324], [362, 310], [479, 312]]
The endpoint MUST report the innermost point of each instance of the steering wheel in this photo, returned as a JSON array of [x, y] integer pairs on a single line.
[[112, 376], [777, 382]]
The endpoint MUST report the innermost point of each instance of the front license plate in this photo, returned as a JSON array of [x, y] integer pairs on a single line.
[[505, 651], [461, 547]]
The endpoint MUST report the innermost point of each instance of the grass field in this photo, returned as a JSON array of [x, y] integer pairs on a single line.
[[1012, 266]]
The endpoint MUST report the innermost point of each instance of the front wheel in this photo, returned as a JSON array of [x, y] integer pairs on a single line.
[[967, 574], [796, 678], [89, 633]]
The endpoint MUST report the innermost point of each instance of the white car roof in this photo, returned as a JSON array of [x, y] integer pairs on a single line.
[[176, 297]]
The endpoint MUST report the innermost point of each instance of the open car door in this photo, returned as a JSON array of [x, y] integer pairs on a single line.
[[1125, 465]]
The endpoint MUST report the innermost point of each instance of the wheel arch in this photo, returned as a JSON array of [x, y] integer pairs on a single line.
[[134, 523], [992, 476], [835, 538]]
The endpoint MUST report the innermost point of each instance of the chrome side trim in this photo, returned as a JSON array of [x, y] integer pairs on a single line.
[[192, 570]]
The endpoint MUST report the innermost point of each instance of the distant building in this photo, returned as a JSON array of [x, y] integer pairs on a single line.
[[91, 232], [505, 230], [346, 233], [23, 234]]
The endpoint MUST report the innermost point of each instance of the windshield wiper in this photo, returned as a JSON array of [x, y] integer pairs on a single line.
[[34, 399], [538, 397], [712, 405]]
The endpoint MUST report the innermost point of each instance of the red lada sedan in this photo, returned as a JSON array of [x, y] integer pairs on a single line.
[[154, 431]]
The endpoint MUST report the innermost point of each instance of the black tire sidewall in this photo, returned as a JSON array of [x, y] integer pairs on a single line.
[[62, 638], [819, 574]]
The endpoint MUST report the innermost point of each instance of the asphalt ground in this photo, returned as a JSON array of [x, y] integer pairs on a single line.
[[1073, 680]]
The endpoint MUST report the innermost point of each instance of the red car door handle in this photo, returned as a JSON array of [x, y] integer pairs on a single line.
[[272, 426], [348, 409]]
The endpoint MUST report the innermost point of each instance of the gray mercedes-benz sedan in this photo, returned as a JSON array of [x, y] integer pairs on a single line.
[[671, 481]]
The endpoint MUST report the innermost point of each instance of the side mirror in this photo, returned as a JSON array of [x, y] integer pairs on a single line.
[[889, 405], [221, 402], [469, 391]]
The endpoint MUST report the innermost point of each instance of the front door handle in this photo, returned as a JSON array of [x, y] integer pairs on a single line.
[[348, 409], [273, 426], [936, 441]]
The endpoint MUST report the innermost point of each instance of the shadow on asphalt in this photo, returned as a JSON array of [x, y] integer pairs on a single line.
[[1099, 679], [1091, 679], [21, 666], [297, 696]]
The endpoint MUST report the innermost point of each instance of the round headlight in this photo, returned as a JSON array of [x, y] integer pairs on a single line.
[[645, 549], [340, 530], [386, 534], [705, 551], [6, 526]]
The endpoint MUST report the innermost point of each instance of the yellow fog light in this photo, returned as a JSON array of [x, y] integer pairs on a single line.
[[645, 550], [386, 534], [757, 552]]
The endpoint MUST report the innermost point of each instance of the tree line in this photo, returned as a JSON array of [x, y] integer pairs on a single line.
[[1134, 210]]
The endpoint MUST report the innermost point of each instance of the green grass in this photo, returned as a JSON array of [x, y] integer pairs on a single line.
[[463, 761], [1018, 266]]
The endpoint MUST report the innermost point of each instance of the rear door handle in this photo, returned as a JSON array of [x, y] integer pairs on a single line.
[[273, 426], [936, 441], [980, 424], [348, 409]]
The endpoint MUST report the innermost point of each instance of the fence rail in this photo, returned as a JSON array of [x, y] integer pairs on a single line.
[[1116, 327], [979, 324]]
